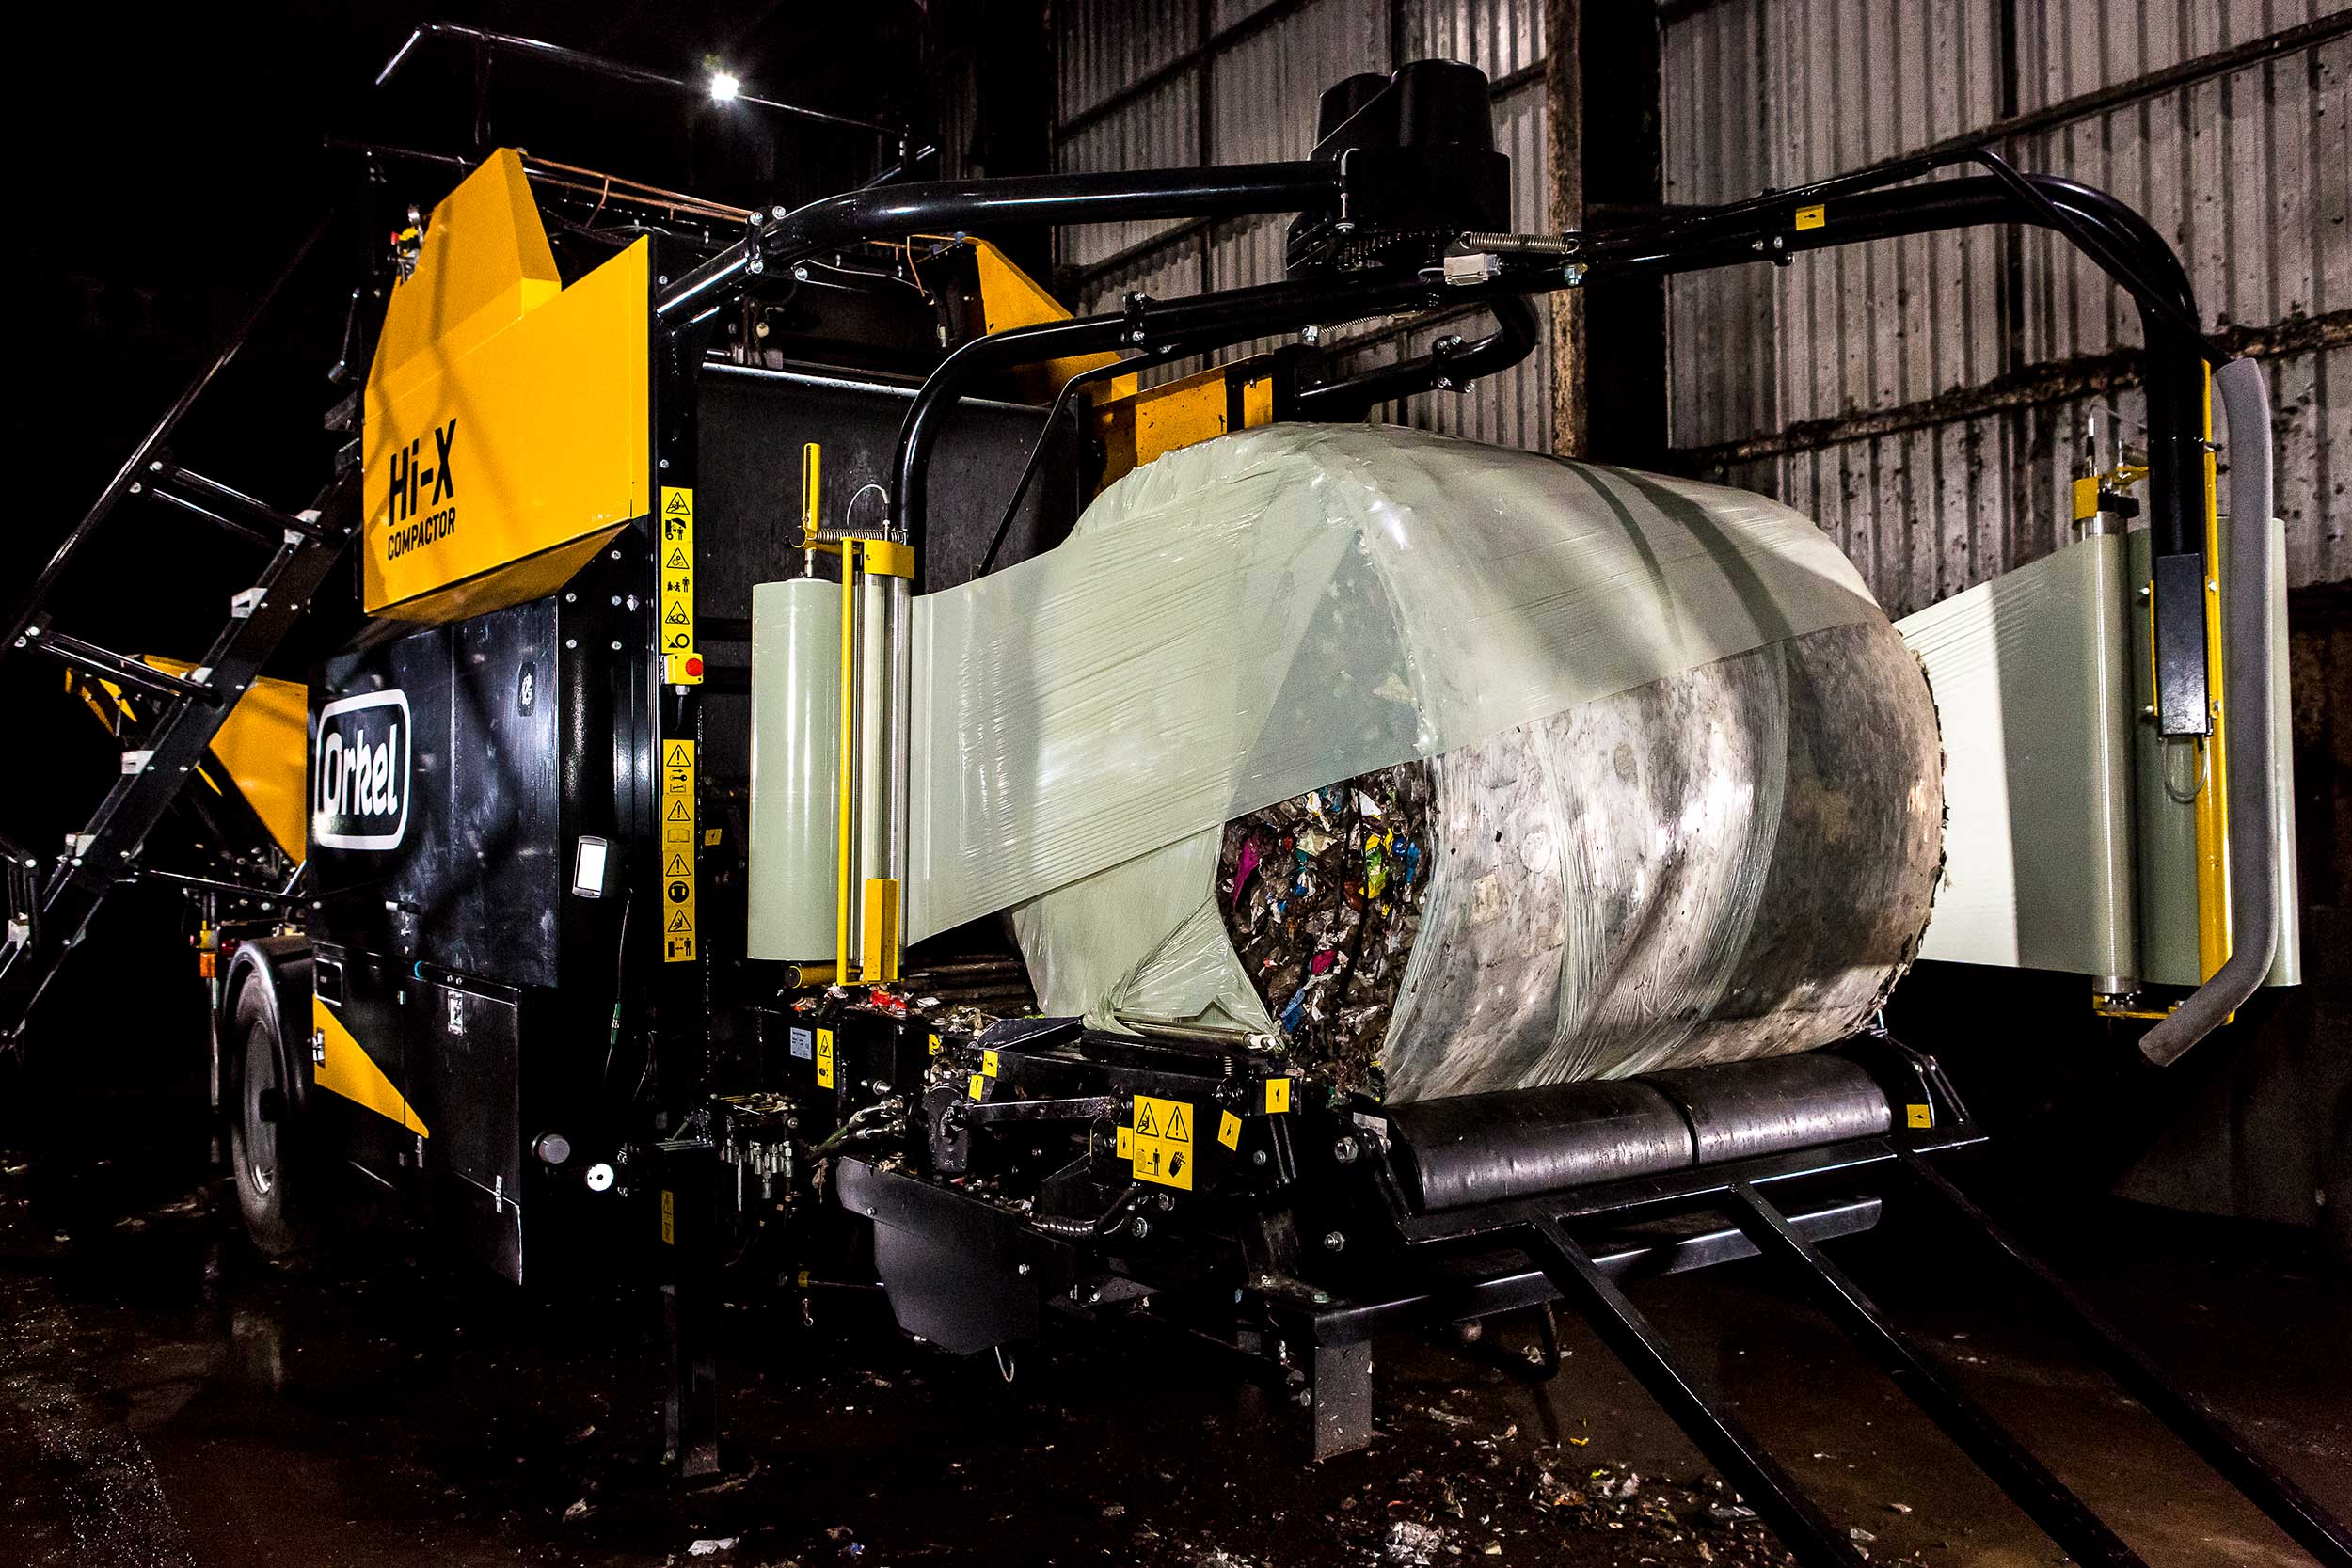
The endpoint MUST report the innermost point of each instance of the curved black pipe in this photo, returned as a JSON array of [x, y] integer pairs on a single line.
[[955, 206], [2121, 241], [1200, 325], [1517, 330]]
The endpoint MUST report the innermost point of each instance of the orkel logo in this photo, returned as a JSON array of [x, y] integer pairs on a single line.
[[359, 763]]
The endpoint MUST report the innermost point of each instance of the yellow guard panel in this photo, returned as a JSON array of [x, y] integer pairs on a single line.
[[506, 415], [264, 744]]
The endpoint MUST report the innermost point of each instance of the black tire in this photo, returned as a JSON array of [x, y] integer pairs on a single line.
[[264, 1135]]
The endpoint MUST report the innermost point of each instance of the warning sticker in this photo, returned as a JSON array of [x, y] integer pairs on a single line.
[[1228, 1130], [681, 664], [1161, 1149], [824, 1058], [1277, 1096], [668, 1217], [988, 1062], [1916, 1115], [679, 939]]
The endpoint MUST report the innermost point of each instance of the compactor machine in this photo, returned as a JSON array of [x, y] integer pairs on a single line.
[[499, 940]]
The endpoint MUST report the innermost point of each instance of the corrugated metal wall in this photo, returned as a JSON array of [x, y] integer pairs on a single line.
[[1165, 82], [1921, 396]]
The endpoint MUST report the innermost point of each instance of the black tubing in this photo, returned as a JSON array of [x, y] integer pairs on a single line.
[[955, 206], [1517, 329]]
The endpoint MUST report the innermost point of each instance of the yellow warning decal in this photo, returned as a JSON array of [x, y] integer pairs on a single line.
[[1812, 217], [682, 665], [1126, 1143], [1277, 1096], [710, 835], [344, 1067], [1161, 1150], [935, 1046], [1918, 1115], [824, 1058], [677, 851], [1228, 1130], [668, 1217], [988, 1062], [980, 1086]]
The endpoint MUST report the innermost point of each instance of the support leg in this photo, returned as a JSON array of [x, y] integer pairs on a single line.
[[1340, 1396], [689, 1310]]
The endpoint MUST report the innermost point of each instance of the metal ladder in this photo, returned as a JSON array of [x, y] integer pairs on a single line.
[[48, 908]]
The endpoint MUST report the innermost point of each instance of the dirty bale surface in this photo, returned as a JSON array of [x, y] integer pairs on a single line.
[[166, 1397]]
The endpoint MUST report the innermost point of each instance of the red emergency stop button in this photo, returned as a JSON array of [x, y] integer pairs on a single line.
[[694, 665]]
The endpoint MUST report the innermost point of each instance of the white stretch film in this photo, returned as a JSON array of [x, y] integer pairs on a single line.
[[795, 848], [2033, 697], [1243, 621]]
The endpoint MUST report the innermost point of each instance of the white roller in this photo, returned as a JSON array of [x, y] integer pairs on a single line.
[[796, 762]]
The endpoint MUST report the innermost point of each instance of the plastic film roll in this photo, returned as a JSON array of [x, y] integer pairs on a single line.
[[796, 761]]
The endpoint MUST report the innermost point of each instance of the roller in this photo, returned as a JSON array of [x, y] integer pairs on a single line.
[[1465, 1150]]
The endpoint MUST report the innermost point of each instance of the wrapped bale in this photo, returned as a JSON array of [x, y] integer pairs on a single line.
[[1456, 769], [1733, 862]]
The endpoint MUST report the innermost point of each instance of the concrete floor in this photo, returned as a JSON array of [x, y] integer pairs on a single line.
[[166, 1398]]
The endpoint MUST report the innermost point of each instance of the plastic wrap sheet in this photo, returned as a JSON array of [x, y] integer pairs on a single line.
[[1683, 805], [1248, 619]]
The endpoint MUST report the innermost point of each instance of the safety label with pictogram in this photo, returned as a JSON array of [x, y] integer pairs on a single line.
[[677, 851], [1160, 1144], [681, 664]]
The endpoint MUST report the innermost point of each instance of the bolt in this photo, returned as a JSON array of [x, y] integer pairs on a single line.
[[755, 266], [800, 275], [616, 645], [778, 212], [1311, 334], [2146, 593], [1573, 275], [1334, 1242], [1257, 1156], [1141, 1227], [1022, 1269], [1344, 1151], [571, 643], [616, 601]]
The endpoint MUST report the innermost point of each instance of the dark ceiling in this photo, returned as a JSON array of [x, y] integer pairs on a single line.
[[170, 158]]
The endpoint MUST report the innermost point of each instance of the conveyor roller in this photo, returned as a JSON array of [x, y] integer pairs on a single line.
[[1465, 1149]]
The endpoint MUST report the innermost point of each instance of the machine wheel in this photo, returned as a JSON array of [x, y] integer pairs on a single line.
[[263, 1137]]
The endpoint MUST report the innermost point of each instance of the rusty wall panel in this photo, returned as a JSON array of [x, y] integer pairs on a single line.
[[1159, 130], [2250, 174], [1105, 46], [1501, 38], [1263, 87]]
